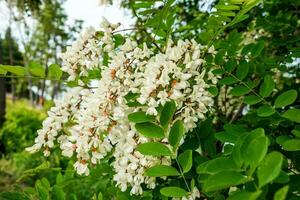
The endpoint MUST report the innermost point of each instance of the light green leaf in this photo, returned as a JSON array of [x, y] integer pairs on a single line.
[[140, 117], [286, 98], [270, 168], [254, 149], [265, 111], [100, 196], [59, 179], [55, 72], [161, 170], [173, 192], [176, 133], [267, 86], [43, 192], [150, 130], [17, 70], [281, 193], [222, 180], [167, 113], [292, 114], [154, 149], [185, 160], [291, 145], [36, 69]]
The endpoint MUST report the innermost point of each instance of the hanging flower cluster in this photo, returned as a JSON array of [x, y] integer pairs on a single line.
[[90, 123]]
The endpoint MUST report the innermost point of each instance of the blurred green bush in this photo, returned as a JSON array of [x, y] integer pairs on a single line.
[[19, 129]]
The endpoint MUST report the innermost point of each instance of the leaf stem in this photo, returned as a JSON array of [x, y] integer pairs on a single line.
[[182, 175]]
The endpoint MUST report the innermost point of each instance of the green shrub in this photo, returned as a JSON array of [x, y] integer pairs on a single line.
[[19, 129]]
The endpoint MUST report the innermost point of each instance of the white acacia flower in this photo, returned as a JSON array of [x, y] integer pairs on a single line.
[[89, 123]]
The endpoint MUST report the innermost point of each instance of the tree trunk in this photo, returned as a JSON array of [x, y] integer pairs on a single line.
[[2, 91], [10, 51]]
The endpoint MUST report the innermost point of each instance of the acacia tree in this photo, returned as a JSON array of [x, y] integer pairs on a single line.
[[191, 107]]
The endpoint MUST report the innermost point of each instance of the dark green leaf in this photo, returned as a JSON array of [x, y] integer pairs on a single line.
[[293, 115], [286, 98], [228, 81], [257, 49], [252, 99], [167, 113], [242, 70], [213, 90], [267, 86], [240, 90], [265, 111]]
